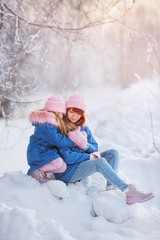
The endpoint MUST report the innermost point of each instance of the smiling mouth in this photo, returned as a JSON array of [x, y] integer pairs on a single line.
[[74, 120]]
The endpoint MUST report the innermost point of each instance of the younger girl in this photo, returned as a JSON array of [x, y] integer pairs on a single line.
[[83, 162], [49, 135]]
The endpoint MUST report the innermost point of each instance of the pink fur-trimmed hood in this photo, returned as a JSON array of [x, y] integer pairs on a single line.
[[43, 117]]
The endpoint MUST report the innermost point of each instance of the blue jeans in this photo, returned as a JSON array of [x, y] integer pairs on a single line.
[[107, 165]]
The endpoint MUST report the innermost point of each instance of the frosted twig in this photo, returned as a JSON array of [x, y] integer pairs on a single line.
[[153, 138], [91, 23]]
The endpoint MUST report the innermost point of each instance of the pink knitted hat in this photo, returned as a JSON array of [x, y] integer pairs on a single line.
[[76, 100], [55, 104]]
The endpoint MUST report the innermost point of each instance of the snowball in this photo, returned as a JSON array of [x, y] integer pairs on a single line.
[[112, 206], [58, 188]]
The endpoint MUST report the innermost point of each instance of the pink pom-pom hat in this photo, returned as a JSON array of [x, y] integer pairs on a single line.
[[55, 104], [76, 100]]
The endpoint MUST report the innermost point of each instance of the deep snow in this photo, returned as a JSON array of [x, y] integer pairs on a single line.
[[119, 119]]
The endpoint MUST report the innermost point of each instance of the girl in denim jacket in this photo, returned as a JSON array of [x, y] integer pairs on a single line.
[[84, 159], [49, 135]]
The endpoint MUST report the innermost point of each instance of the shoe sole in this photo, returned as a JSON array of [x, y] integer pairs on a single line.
[[131, 203]]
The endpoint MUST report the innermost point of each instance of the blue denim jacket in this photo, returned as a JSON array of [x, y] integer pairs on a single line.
[[44, 144], [73, 156]]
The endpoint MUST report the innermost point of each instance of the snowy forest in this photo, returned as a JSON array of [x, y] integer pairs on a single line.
[[63, 45], [110, 51]]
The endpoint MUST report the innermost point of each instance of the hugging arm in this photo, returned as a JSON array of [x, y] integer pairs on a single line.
[[54, 137], [71, 157]]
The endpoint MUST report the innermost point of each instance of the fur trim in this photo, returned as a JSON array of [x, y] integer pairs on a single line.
[[43, 117]]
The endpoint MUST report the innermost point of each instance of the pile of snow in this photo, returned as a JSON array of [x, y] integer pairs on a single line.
[[22, 223], [58, 189], [112, 205], [119, 119]]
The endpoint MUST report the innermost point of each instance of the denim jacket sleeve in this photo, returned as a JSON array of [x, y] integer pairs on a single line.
[[52, 135], [92, 144], [71, 157]]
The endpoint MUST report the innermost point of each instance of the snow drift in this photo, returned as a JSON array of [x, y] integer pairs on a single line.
[[119, 119]]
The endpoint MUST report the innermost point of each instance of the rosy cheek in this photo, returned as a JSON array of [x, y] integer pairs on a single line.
[[70, 116]]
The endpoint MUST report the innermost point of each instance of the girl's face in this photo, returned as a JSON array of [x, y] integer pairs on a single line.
[[73, 116]]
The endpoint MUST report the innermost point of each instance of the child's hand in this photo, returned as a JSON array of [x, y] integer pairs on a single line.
[[96, 154], [92, 156], [78, 138]]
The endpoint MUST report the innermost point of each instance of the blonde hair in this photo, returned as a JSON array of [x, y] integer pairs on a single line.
[[64, 125]]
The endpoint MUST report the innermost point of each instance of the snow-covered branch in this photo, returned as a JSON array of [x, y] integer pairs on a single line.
[[71, 16], [152, 130]]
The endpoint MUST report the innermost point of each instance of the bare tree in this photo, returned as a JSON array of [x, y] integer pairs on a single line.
[[24, 28], [17, 75]]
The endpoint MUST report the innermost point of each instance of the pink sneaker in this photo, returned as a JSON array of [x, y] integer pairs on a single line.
[[135, 196], [39, 176]]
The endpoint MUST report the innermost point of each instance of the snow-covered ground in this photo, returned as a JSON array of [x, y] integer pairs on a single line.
[[119, 119]]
